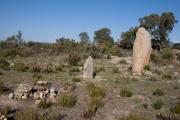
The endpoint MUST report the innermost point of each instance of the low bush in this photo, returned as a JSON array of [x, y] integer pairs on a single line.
[[147, 67], [158, 92], [74, 69], [167, 54], [44, 104], [26, 115], [75, 79], [99, 69], [108, 57], [175, 108], [95, 91], [132, 116], [74, 59], [20, 67], [123, 61], [49, 69], [37, 76], [2, 87], [35, 68], [156, 58], [168, 75], [157, 104], [115, 70], [67, 100], [4, 64], [93, 106], [60, 68], [126, 92], [34, 115]]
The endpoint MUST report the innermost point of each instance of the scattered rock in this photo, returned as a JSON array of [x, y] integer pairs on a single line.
[[41, 82], [23, 90]]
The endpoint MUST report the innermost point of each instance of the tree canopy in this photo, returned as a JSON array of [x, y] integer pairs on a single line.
[[84, 38], [103, 37], [159, 26]]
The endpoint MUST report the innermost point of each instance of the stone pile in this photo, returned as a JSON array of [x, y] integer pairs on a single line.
[[40, 91], [23, 91]]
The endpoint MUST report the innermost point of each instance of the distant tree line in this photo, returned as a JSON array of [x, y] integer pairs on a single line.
[[159, 26]]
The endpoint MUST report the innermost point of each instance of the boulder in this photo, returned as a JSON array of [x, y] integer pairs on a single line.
[[37, 102], [42, 82], [88, 68], [11, 95], [141, 51]]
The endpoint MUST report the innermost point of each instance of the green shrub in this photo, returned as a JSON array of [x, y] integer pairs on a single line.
[[147, 67], [67, 100], [168, 75], [157, 104], [75, 79], [158, 92], [37, 76], [49, 69], [108, 56], [74, 59], [93, 106], [60, 68], [44, 104], [99, 69], [177, 109], [2, 87], [35, 115], [74, 69], [123, 61], [156, 58], [126, 92], [20, 67], [133, 117], [26, 115], [95, 91], [4, 64], [35, 68], [167, 54], [115, 70]]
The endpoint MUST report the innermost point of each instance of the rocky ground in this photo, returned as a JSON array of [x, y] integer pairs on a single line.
[[25, 92]]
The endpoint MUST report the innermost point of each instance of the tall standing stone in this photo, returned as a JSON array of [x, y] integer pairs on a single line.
[[88, 68], [141, 51]]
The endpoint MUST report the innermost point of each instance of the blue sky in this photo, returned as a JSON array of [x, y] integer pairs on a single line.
[[46, 20]]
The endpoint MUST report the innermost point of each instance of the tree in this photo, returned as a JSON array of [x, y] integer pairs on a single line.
[[127, 38], [84, 38], [103, 37], [159, 26]]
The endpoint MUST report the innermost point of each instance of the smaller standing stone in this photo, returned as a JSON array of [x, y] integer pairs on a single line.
[[11, 95], [88, 68]]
